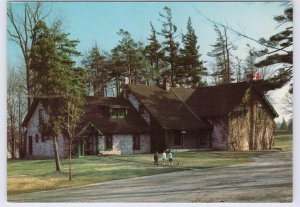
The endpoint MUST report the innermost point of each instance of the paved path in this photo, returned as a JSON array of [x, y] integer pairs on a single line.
[[267, 179]]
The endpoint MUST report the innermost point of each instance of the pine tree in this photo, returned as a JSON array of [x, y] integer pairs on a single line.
[[283, 125], [154, 55], [170, 46], [281, 52], [190, 64], [94, 62], [250, 68], [290, 125], [222, 55], [55, 77]]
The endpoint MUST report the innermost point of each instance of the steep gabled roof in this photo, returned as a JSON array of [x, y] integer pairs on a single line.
[[30, 112], [214, 101], [166, 108], [97, 112], [206, 102]]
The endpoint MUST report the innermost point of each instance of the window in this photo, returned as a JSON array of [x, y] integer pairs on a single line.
[[177, 138], [136, 142], [108, 142], [36, 138], [114, 113], [260, 113], [121, 112], [118, 112], [41, 112]]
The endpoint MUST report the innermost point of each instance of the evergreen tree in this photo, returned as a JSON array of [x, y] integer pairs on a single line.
[[250, 68], [170, 46], [94, 62], [221, 52], [283, 125], [55, 77], [281, 52], [290, 125], [154, 55], [190, 64]]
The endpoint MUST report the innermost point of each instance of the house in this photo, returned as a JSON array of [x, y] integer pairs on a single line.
[[150, 118], [108, 126], [225, 117]]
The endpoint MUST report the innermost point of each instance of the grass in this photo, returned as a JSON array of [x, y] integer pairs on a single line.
[[26, 176], [284, 140]]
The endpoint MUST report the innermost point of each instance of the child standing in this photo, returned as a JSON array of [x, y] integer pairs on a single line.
[[155, 158], [170, 157], [164, 157]]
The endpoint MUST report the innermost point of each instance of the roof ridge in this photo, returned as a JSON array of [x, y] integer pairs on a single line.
[[185, 104]]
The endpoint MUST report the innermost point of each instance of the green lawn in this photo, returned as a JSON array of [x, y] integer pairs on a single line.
[[37, 175], [284, 140]]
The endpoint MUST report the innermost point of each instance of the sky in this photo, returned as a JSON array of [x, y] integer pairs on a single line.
[[98, 23]]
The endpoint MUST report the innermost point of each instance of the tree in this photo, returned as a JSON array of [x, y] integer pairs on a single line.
[[239, 68], [250, 68], [127, 59], [221, 52], [287, 102], [15, 112], [94, 62], [281, 53], [283, 125], [53, 71], [190, 64], [155, 56], [290, 125], [73, 109], [170, 46], [21, 30]]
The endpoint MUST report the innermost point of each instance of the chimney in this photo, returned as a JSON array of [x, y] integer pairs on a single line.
[[126, 80], [166, 83]]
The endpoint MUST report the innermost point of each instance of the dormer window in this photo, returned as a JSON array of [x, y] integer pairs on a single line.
[[118, 112]]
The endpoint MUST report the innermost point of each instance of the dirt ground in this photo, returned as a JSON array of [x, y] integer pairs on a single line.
[[268, 179]]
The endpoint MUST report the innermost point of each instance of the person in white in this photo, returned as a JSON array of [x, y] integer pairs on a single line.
[[164, 157]]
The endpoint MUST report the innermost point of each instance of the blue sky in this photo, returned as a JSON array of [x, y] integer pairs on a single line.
[[98, 22]]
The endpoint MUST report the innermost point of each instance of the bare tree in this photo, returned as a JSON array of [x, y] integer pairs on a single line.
[[287, 103], [16, 109], [73, 111], [21, 31]]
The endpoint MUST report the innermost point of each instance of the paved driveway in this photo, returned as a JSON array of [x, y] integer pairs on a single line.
[[267, 179]]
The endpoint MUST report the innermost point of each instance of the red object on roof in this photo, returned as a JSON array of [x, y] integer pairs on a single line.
[[256, 76]]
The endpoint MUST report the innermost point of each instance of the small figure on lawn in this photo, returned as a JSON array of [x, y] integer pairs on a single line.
[[164, 157], [170, 157], [155, 158]]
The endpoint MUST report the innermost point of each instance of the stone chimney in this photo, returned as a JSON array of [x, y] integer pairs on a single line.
[[126, 80], [166, 83]]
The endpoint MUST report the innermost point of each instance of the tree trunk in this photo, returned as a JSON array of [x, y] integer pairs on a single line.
[[70, 156], [56, 154], [251, 121]]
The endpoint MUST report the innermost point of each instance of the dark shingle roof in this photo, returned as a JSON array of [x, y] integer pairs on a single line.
[[166, 108], [97, 113], [206, 102], [213, 101], [216, 101]]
